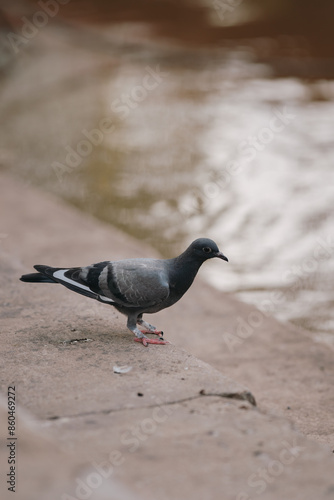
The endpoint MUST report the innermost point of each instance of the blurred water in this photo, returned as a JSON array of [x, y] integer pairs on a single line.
[[194, 143]]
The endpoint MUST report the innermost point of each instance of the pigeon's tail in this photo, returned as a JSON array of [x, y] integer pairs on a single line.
[[42, 276], [36, 278], [69, 277]]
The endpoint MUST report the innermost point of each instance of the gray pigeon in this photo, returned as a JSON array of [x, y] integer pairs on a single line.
[[134, 286]]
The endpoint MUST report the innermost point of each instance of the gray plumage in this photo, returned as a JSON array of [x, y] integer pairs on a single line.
[[134, 286]]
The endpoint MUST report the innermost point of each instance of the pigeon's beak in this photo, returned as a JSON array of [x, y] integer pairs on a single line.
[[221, 256]]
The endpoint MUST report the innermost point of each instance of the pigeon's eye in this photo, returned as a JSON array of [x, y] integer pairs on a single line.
[[206, 249]]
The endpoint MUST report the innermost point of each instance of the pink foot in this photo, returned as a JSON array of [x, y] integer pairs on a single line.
[[145, 341], [154, 332]]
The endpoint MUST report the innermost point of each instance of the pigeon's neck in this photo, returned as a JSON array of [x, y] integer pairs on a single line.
[[182, 272]]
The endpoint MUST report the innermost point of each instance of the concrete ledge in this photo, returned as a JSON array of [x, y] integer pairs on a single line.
[[172, 427]]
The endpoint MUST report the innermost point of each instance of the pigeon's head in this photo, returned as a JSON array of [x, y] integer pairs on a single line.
[[204, 249]]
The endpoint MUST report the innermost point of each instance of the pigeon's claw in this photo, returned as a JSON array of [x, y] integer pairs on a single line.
[[145, 341], [140, 337], [148, 328], [155, 332]]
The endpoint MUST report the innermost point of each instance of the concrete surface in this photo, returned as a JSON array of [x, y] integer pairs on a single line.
[[174, 426]]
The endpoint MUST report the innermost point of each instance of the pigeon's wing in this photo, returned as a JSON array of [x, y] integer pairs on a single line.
[[128, 283], [133, 282]]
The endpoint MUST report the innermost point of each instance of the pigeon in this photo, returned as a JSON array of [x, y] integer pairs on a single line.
[[134, 286]]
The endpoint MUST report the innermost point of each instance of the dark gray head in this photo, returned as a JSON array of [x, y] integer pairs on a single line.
[[204, 249]]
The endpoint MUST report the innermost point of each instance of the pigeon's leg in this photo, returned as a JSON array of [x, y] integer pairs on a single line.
[[140, 337], [148, 327]]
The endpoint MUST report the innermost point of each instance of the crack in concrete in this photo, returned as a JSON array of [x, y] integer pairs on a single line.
[[241, 396]]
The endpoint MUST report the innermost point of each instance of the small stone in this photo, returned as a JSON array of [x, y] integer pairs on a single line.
[[122, 369]]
